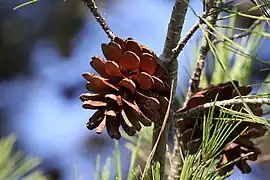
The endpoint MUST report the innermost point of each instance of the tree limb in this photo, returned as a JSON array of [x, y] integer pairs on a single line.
[[173, 36], [159, 140], [174, 28]]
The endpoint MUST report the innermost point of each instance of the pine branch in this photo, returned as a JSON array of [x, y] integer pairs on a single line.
[[94, 10], [174, 28], [172, 38], [229, 102], [195, 78], [181, 44], [177, 155], [264, 7]]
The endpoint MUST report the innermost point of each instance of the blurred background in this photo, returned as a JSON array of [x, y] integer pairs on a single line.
[[44, 49]]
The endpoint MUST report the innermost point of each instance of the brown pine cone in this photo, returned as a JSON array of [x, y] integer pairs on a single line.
[[130, 89], [192, 134]]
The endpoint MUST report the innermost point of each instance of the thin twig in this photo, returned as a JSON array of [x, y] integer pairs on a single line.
[[181, 44], [195, 78], [242, 34], [94, 10], [229, 102], [242, 157]]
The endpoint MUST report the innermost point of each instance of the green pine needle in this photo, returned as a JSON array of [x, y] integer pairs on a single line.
[[25, 4], [117, 160], [15, 165]]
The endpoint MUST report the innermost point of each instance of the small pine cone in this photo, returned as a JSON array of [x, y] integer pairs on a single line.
[[191, 130], [130, 89]]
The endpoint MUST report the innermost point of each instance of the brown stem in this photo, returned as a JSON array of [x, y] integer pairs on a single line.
[[94, 10], [160, 138], [181, 44], [195, 78]]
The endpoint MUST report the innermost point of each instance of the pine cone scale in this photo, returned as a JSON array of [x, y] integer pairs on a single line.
[[133, 46], [130, 61], [148, 63], [101, 126], [129, 91], [112, 69], [97, 64], [145, 81], [96, 119], [128, 83], [112, 125], [112, 51]]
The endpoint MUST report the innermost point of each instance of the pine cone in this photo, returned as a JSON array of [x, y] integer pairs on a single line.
[[192, 134], [130, 89]]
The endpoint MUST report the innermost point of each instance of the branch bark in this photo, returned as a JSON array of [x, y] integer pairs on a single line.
[[174, 28], [195, 78], [181, 44], [171, 64]]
